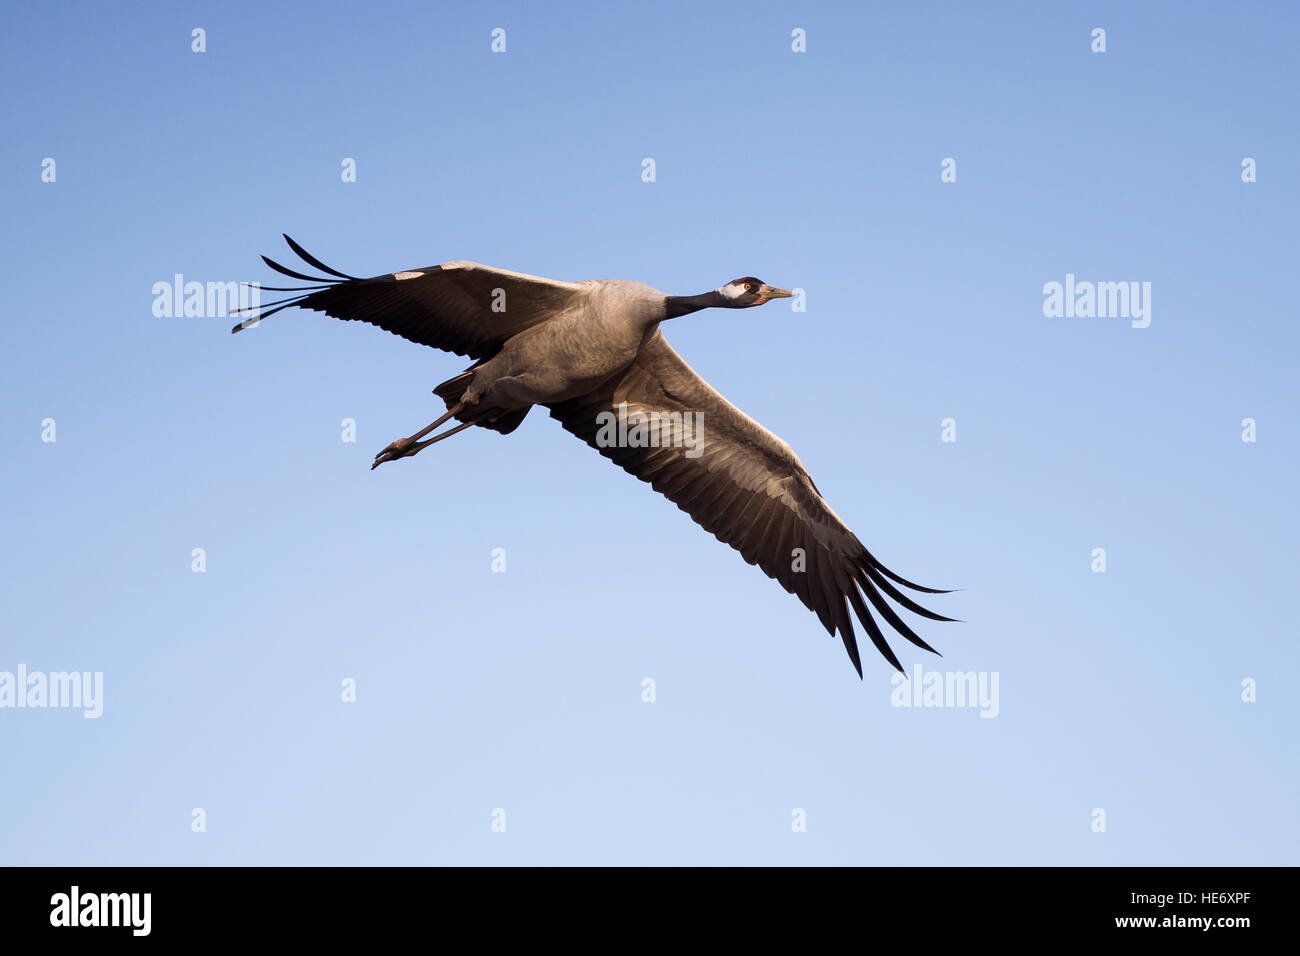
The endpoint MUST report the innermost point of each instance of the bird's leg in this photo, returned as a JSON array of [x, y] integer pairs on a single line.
[[421, 445], [404, 447]]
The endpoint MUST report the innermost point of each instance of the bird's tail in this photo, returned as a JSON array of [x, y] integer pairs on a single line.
[[451, 390]]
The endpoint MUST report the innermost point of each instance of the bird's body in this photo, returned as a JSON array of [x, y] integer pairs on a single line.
[[592, 353], [600, 332]]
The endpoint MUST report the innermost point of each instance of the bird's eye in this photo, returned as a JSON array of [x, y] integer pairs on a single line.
[[749, 287]]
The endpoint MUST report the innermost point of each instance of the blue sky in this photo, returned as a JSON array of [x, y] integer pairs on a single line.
[[522, 691]]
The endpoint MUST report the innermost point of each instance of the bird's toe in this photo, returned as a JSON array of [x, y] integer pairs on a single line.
[[393, 450]]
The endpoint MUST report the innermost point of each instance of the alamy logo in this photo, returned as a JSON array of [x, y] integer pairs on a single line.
[[1100, 300], [199, 300], [946, 689], [102, 909], [61, 689], [653, 429]]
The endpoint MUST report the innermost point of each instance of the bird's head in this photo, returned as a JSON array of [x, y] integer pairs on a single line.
[[747, 291]]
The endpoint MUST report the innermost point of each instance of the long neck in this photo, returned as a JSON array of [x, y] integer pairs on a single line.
[[676, 305]]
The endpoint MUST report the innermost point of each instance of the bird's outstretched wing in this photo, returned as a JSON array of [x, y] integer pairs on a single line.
[[746, 486], [463, 307]]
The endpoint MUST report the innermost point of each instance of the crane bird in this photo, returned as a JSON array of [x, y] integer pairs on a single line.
[[592, 354]]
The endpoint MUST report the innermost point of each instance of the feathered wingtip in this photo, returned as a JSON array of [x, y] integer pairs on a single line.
[[872, 578], [307, 291]]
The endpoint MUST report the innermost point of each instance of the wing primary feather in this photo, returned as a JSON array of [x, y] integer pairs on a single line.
[[253, 319], [873, 629], [252, 308], [883, 583], [850, 640], [901, 580], [890, 615], [285, 271], [288, 288], [851, 644], [311, 260]]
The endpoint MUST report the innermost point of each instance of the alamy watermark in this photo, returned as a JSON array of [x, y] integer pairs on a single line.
[[203, 300], [946, 689], [78, 908], [1100, 300], [653, 429], [60, 689]]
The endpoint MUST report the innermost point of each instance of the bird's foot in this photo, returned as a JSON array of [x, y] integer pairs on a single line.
[[398, 449]]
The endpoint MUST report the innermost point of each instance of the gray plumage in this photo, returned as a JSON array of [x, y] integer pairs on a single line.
[[591, 352]]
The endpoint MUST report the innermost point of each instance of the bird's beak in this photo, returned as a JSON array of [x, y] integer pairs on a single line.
[[766, 292]]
